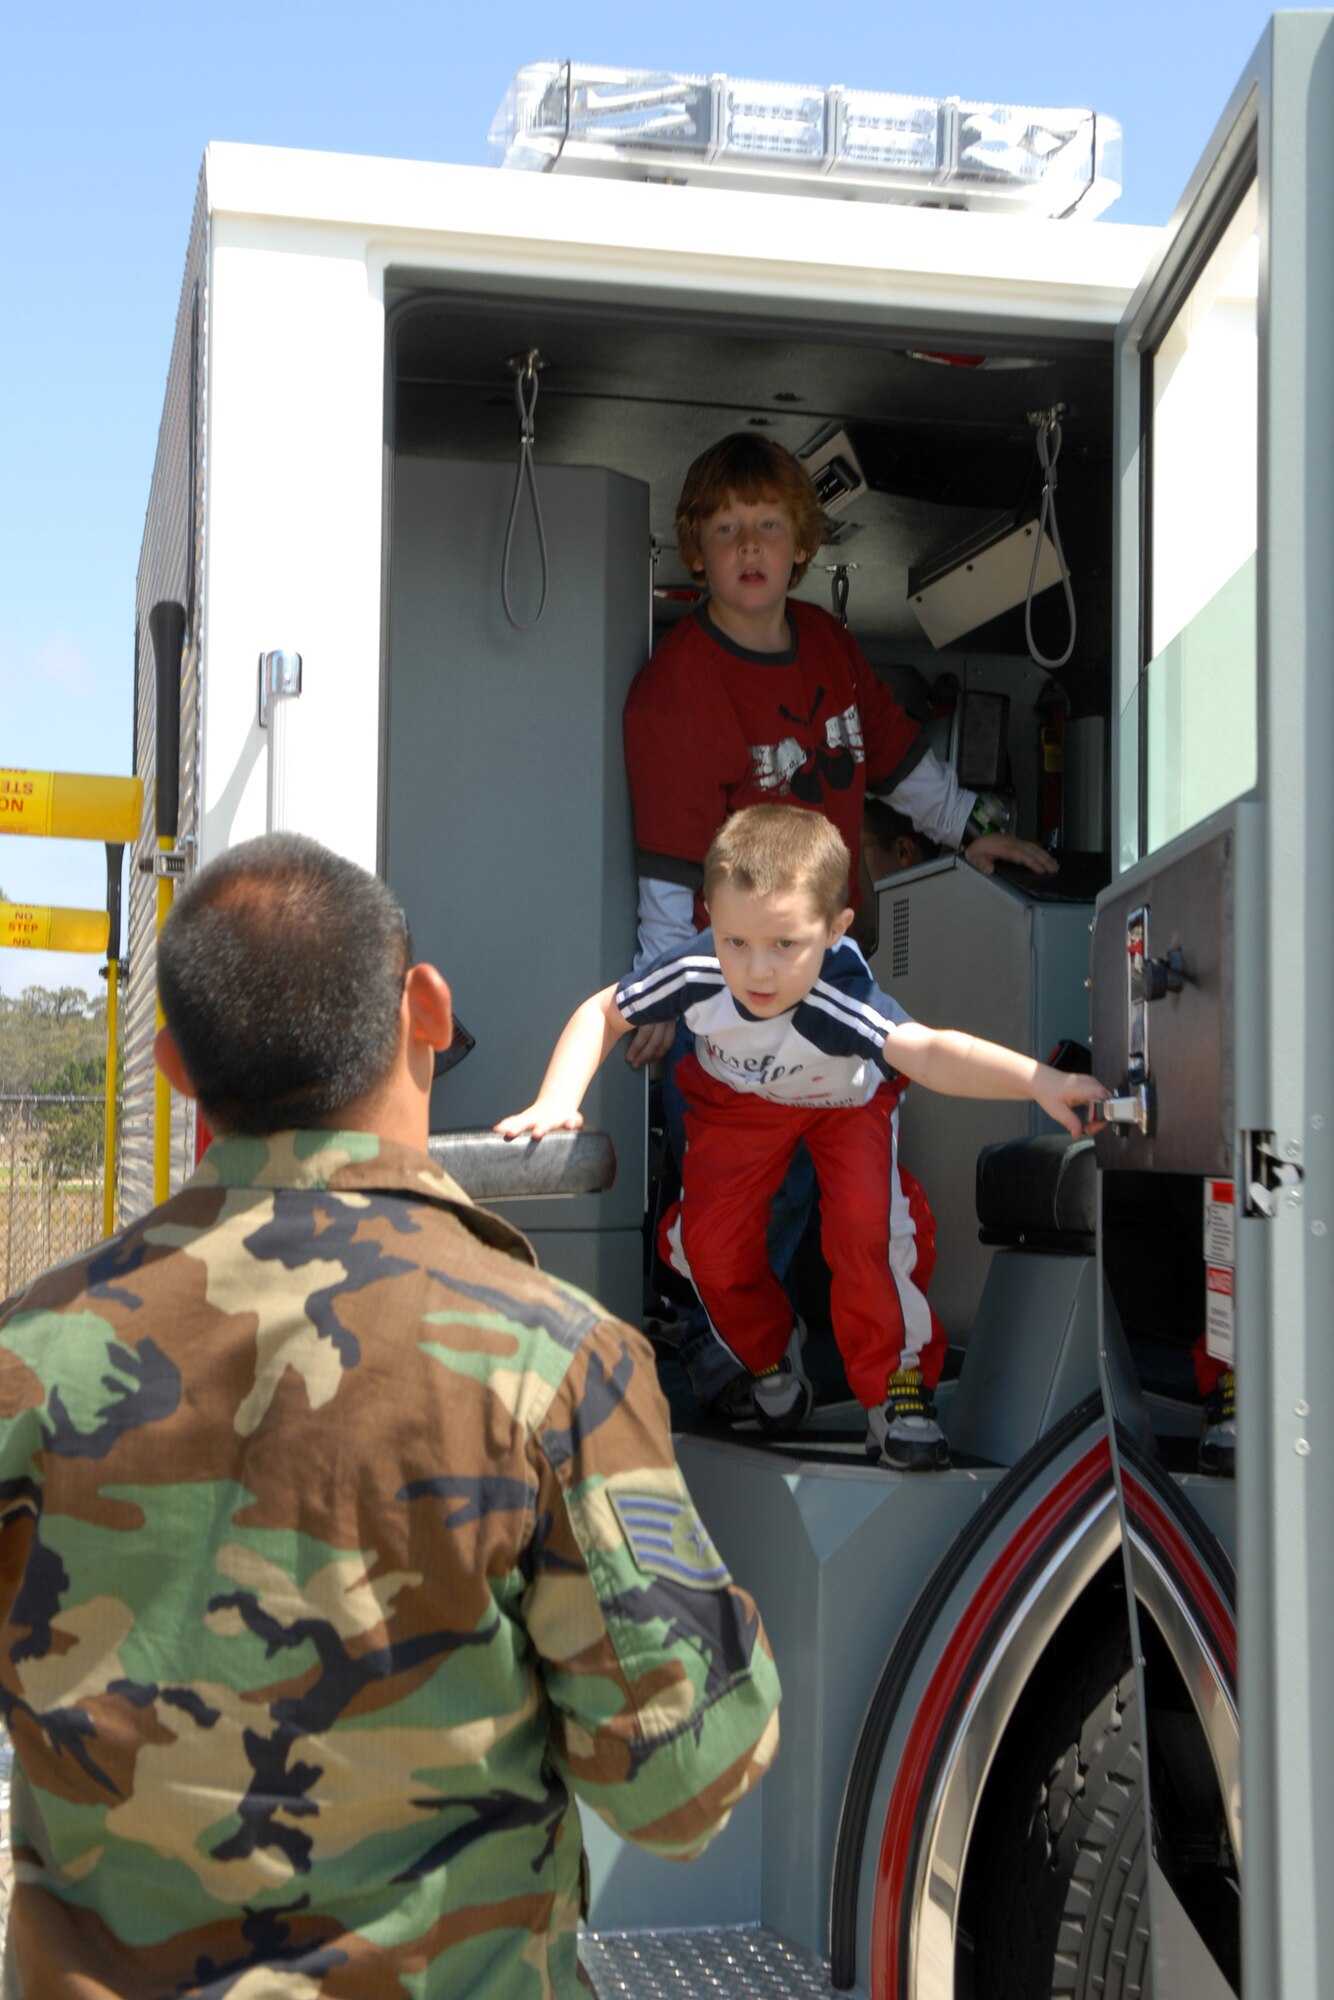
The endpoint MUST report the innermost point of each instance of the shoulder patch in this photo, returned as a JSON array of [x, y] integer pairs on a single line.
[[668, 1539]]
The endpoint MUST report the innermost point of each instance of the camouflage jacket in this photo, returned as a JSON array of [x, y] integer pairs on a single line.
[[339, 1547]]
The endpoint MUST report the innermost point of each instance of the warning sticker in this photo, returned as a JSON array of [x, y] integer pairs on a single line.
[[25, 801], [26, 928], [1220, 1338], [1220, 1222]]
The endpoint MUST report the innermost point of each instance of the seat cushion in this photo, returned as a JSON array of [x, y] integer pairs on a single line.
[[1038, 1192]]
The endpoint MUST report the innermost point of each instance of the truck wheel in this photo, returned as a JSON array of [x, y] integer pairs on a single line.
[[1064, 1910]]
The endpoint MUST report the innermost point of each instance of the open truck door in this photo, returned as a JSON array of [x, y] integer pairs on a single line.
[[1213, 964]]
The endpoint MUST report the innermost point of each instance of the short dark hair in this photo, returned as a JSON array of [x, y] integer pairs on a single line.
[[281, 969], [762, 850], [886, 824], [754, 469]]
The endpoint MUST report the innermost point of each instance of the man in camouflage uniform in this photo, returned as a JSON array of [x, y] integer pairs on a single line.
[[339, 1547]]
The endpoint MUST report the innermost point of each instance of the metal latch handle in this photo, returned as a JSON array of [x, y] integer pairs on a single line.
[[1137, 1109]]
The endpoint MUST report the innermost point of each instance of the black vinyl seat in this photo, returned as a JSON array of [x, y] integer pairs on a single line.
[[1038, 1193]]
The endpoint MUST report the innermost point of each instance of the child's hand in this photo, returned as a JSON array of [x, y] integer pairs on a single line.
[[538, 1119], [546, 1115], [650, 1043], [1062, 1094], [989, 848]]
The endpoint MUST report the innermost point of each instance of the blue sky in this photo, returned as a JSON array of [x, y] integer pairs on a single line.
[[109, 107]]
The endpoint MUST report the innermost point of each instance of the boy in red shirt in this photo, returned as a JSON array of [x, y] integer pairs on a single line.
[[758, 699]]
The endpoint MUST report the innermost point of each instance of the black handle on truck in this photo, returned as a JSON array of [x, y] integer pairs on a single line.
[[166, 629]]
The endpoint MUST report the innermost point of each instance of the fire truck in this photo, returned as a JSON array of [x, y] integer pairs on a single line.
[[408, 539]]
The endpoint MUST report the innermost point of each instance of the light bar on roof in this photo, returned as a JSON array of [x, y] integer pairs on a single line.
[[878, 133], [1012, 142], [548, 106], [772, 122], [859, 144]]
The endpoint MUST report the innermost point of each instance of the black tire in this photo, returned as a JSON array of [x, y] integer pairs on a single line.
[[1063, 1907]]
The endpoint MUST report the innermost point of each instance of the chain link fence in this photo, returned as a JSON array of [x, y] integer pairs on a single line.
[[52, 1178]]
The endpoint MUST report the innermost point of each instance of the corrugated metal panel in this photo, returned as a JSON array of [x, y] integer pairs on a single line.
[[171, 565]]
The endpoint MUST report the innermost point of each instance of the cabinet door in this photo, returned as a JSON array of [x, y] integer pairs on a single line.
[[1225, 746]]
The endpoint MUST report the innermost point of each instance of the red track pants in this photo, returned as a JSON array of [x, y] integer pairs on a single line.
[[876, 1230]]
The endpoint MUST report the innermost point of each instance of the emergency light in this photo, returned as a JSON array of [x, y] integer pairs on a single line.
[[860, 144]]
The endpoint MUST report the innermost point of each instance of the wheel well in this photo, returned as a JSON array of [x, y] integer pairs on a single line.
[[1099, 1609], [1192, 1844], [1190, 1831]]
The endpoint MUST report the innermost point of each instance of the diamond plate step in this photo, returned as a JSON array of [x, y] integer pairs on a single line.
[[745, 1963]]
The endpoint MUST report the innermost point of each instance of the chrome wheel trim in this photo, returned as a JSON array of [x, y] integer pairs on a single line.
[[943, 1854]]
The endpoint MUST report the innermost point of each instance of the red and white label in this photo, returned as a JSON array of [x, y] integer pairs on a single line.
[[1220, 1337], [1220, 1222]]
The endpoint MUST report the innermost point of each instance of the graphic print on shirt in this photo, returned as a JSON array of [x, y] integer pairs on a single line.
[[827, 1050], [789, 767], [758, 1070]]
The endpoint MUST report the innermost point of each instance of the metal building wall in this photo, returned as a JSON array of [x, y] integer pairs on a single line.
[[171, 565]]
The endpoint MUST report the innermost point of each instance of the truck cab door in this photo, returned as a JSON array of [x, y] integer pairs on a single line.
[[1213, 970]]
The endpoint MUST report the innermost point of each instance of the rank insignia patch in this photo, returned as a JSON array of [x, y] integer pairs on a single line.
[[668, 1539]]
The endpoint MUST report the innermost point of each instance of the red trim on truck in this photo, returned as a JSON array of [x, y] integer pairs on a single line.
[[952, 1669], [1157, 1524]]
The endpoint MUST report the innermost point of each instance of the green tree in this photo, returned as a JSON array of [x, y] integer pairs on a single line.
[[74, 1131], [53, 1046], [45, 1030]]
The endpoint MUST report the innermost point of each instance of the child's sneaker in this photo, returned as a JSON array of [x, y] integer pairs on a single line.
[[784, 1397], [734, 1402], [905, 1434], [1218, 1444]]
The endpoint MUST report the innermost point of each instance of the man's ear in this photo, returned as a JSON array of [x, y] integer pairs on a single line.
[[168, 1059], [906, 849], [840, 925], [430, 1010]]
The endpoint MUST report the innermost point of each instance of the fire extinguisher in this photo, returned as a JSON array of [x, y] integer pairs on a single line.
[[1053, 706]]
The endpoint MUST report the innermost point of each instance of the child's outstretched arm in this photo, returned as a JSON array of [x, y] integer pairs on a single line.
[[964, 1066], [587, 1038]]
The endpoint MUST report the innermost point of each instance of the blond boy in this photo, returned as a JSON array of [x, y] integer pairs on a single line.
[[794, 1041]]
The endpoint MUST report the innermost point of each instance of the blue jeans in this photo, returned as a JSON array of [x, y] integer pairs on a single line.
[[707, 1363]]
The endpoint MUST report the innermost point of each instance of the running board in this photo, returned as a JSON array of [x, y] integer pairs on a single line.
[[679, 1965]]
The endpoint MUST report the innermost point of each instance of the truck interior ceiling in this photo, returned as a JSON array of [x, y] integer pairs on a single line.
[[942, 438]]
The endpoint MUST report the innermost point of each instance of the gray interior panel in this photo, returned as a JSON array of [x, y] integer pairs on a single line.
[[1032, 1353], [963, 950], [508, 833]]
